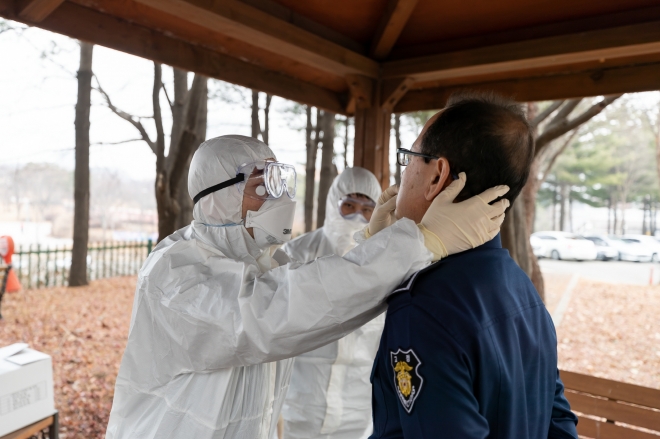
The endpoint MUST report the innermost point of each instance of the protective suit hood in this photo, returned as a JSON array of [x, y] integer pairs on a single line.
[[215, 161], [337, 229]]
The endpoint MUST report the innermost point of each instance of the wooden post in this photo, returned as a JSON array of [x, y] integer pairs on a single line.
[[372, 128]]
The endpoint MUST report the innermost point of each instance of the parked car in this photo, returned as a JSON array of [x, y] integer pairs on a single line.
[[606, 251], [647, 241], [563, 245], [537, 246], [628, 249]]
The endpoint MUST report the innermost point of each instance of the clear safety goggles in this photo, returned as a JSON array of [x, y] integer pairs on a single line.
[[352, 207], [267, 180], [262, 180]]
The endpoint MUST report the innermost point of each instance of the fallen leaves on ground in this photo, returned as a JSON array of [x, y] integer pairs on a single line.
[[612, 331], [84, 329]]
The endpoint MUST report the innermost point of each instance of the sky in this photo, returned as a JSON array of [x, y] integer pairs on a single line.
[[38, 92]]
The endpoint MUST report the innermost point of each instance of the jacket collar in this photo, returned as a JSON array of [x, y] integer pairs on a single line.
[[406, 285]]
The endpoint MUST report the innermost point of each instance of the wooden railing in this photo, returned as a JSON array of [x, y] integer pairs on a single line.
[[610, 409]]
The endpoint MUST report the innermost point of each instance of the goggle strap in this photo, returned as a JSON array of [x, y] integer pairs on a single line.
[[238, 179]]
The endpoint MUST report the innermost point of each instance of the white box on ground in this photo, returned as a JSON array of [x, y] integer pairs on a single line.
[[26, 387]]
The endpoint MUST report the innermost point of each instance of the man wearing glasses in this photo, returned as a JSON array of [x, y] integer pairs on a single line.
[[469, 349]]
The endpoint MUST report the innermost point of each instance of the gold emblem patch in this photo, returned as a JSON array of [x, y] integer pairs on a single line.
[[403, 378], [407, 380]]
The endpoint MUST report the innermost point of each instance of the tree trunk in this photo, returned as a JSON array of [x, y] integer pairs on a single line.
[[328, 171], [347, 123], [264, 133], [562, 206], [256, 126], [174, 167], [178, 103], [78, 272], [397, 139], [515, 238], [310, 171], [528, 199], [570, 212], [185, 202]]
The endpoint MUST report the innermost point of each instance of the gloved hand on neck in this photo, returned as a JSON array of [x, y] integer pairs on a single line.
[[449, 227]]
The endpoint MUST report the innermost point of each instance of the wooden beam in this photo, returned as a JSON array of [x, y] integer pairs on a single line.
[[391, 25], [372, 136], [361, 90], [599, 82], [251, 25], [141, 15], [394, 90], [37, 10], [275, 9], [89, 25], [620, 42]]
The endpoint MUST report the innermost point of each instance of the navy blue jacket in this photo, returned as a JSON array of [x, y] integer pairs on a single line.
[[469, 351]]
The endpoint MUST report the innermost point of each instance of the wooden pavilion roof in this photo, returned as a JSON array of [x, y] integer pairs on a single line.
[[328, 53]]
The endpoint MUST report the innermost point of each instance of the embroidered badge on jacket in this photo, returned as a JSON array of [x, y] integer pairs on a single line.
[[407, 380]]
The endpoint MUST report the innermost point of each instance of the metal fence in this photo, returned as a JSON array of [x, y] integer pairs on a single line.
[[38, 266]]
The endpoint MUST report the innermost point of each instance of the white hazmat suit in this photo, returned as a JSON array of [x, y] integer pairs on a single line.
[[216, 317], [330, 394]]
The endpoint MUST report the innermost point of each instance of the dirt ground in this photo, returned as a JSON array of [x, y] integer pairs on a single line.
[[84, 329], [611, 331]]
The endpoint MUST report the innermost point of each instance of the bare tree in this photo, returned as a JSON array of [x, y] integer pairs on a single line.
[[550, 124], [311, 143], [188, 109], [652, 119], [397, 139], [78, 272], [256, 124], [347, 123], [328, 169]]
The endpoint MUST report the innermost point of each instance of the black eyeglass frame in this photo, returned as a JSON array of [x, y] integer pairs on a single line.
[[419, 154], [409, 152]]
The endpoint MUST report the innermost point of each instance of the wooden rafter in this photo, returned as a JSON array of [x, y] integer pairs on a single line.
[[246, 23], [37, 10], [394, 90], [391, 25], [620, 42], [597, 82], [84, 24]]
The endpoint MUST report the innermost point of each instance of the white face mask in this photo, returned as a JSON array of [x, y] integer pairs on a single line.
[[272, 223], [341, 233]]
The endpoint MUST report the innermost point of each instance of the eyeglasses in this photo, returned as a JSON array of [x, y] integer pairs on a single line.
[[350, 208], [403, 156]]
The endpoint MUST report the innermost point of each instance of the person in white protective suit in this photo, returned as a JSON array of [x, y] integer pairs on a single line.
[[219, 310], [330, 394]]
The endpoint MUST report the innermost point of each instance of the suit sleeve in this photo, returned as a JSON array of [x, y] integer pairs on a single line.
[[446, 402], [200, 313], [563, 422]]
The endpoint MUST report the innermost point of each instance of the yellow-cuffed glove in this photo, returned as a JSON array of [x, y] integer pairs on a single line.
[[450, 227], [383, 214]]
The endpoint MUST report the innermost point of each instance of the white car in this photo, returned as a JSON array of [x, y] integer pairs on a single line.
[[605, 250], [628, 249], [563, 245], [647, 241]]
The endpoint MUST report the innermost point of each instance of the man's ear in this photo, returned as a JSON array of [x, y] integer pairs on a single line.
[[438, 179]]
